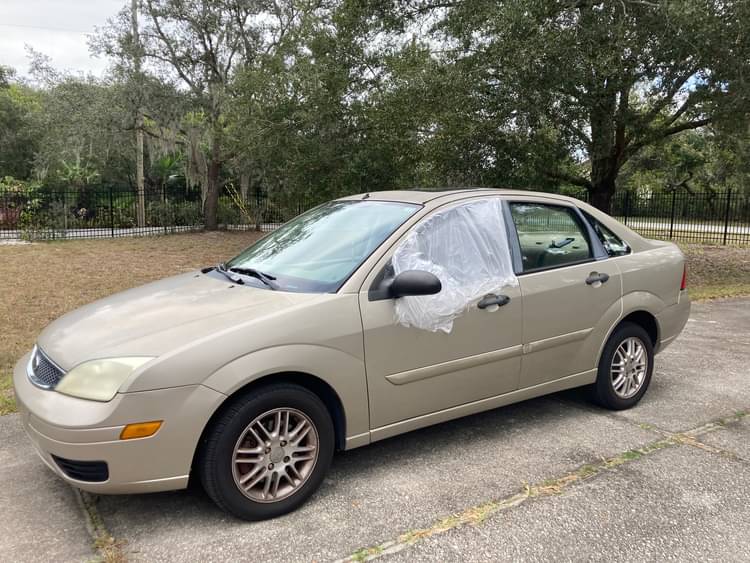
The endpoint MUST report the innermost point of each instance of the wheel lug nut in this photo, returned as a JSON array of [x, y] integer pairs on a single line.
[[286, 459], [268, 450], [283, 443], [270, 466]]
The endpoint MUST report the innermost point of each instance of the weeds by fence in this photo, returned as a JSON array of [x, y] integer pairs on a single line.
[[716, 217]]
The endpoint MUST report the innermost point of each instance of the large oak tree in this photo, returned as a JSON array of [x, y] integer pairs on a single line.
[[202, 44], [607, 78]]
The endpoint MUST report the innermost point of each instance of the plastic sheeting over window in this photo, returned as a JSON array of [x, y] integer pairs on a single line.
[[466, 247]]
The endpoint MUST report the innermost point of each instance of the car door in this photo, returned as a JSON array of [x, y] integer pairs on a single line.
[[571, 291], [413, 371]]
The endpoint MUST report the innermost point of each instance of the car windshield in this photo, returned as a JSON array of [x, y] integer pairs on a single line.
[[319, 250]]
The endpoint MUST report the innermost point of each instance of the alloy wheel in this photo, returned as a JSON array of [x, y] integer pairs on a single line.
[[629, 367], [275, 455]]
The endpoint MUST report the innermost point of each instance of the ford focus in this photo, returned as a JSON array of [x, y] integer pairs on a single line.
[[363, 318]]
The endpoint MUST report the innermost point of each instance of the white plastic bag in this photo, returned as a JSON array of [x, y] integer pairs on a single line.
[[466, 247]]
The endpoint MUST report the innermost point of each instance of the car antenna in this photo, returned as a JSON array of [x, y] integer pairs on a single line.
[[366, 196]]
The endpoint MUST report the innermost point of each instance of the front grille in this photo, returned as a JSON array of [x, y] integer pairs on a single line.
[[91, 471], [42, 371]]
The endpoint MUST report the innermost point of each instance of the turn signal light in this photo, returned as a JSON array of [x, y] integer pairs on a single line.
[[683, 283], [140, 430]]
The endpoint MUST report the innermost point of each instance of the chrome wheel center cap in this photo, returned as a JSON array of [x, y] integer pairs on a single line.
[[277, 454]]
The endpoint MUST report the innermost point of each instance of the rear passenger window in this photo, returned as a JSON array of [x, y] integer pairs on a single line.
[[550, 236], [613, 244]]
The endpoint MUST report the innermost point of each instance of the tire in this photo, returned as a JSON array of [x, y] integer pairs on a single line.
[[276, 410], [611, 392]]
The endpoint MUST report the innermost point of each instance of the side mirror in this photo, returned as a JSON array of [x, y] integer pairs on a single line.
[[415, 282]]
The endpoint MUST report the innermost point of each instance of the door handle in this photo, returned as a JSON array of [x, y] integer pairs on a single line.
[[491, 299], [597, 277]]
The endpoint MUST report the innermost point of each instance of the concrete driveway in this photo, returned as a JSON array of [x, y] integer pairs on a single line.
[[551, 478]]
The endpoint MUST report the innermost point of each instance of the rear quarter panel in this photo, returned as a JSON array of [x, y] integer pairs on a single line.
[[656, 271], [651, 282]]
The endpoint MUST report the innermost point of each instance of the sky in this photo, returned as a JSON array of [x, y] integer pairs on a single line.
[[57, 28]]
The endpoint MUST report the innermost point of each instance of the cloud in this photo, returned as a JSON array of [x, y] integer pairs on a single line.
[[57, 28]]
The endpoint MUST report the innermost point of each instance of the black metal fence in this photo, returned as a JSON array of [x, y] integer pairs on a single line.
[[112, 212], [721, 217]]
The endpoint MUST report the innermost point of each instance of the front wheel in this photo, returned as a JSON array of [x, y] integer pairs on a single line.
[[625, 368], [267, 452]]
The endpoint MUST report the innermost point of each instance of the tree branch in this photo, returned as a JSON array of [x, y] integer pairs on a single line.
[[663, 134], [175, 60], [695, 124], [570, 178], [671, 93], [682, 109]]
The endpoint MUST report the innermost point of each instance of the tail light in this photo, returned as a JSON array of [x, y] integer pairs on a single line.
[[683, 283]]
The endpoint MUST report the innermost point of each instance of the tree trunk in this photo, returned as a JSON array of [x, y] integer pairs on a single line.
[[211, 207], [139, 186], [603, 175], [244, 185], [600, 196], [139, 183]]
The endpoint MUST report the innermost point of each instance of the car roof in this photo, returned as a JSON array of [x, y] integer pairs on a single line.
[[442, 196]]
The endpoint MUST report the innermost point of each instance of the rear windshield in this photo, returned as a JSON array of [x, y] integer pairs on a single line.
[[320, 249]]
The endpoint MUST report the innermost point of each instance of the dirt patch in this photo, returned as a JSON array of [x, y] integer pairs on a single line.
[[42, 281]]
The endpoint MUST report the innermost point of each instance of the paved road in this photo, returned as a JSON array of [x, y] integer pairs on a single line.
[[553, 478], [715, 227]]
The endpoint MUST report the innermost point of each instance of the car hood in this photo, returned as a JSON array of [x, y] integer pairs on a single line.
[[158, 317]]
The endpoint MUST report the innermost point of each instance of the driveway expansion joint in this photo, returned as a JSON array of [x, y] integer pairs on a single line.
[[476, 515], [108, 549]]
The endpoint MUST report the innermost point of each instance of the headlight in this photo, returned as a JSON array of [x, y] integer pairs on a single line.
[[99, 380]]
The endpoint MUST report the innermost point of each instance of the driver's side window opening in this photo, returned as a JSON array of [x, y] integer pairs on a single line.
[[550, 236], [466, 247]]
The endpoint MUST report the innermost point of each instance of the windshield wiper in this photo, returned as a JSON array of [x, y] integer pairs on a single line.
[[267, 279], [222, 269]]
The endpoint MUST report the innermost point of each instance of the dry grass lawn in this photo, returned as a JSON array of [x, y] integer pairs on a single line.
[[717, 271], [42, 281]]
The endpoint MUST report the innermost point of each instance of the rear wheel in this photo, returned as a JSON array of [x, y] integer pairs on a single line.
[[625, 368], [267, 452]]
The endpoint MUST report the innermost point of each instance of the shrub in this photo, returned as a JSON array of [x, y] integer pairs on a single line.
[[229, 214]]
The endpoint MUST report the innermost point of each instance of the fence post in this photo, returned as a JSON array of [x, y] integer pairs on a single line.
[[726, 215], [111, 213], [671, 216], [626, 207]]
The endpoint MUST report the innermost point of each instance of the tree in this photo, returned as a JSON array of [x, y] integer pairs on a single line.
[[79, 123], [606, 78], [19, 131], [201, 44], [703, 161]]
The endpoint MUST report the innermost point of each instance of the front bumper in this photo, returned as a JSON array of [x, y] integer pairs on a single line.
[[81, 430]]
